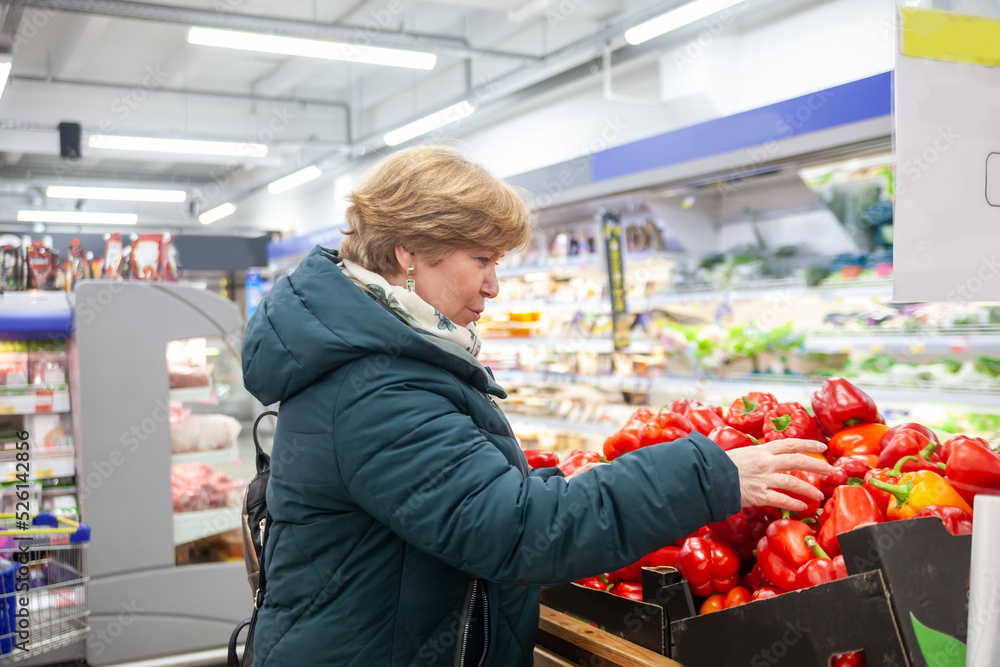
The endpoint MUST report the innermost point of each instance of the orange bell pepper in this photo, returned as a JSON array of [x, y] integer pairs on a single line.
[[915, 490], [856, 440]]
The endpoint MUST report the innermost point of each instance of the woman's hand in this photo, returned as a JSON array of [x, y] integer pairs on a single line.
[[761, 468]]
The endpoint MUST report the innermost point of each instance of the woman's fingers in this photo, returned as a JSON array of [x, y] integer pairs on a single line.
[[783, 462], [795, 485], [794, 445], [781, 501]]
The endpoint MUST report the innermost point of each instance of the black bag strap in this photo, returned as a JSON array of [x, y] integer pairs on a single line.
[[263, 460], [233, 659]]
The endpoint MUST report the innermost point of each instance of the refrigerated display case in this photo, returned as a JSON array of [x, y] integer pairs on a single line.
[[146, 357]]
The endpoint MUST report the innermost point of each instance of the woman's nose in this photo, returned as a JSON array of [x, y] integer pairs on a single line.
[[491, 286]]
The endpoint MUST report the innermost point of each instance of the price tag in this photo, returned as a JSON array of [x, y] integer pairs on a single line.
[[7, 410], [46, 472], [916, 349], [876, 348]]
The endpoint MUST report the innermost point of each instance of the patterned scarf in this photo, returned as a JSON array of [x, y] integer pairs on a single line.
[[411, 308]]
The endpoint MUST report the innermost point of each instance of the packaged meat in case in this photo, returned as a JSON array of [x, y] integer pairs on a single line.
[[197, 487], [201, 433]]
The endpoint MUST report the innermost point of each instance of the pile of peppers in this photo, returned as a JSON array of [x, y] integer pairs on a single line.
[[880, 474]]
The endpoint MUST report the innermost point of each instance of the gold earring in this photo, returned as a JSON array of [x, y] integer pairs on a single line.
[[410, 282]]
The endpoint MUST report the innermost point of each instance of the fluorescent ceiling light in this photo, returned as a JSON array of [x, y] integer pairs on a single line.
[[429, 123], [5, 64], [311, 48], [217, 213], [286, 183], [190, 146], [78, 217], [676, 18], [116, 194]]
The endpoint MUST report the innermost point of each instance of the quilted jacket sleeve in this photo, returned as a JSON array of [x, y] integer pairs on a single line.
[[418, 464]]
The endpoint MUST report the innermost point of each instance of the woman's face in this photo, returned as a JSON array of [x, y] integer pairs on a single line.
[[459, 284]]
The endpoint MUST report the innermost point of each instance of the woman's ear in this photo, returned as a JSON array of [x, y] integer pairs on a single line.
[[404, 258]]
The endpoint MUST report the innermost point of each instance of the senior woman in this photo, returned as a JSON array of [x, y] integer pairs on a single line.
[[407, 528]]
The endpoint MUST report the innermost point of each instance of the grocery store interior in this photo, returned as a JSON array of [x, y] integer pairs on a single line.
[[713, 183]]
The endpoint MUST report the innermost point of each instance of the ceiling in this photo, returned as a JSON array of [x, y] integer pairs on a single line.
[[126, 68]]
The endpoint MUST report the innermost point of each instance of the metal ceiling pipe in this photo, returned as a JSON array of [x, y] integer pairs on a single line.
[[363, 35]]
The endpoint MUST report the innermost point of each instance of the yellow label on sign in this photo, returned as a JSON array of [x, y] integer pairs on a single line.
[[47, 472], [950, 36], [8, 410]]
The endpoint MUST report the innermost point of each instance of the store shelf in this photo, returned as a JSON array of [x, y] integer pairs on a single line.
[[33, 401], [42, 464], [225, 455], [561, 425], [569, 264], [598, 345], [765, 289], [191, 526], [789, 388], [589, 306], [610, 382], [35, 315], [928, 340], [192, 394]]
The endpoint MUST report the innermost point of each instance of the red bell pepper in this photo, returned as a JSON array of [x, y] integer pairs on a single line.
[[624, 440], [665, 557], [908, 426], [671, 427], [642, 415], [712, 603], [728, 438], [742, 530], [747, 413], [852, 659], [709, 566], [765, 593], [973, 468], [758, 579], [629, 589], [915, 490], [783, 551], [844, 469], [598, 583], [839, 404], [888, 475], [956, 520], [863, 439], [949, 444], [704, 419], [850, 507], [812, 506], [821, 569], [541, 458], [682, 405], [790, 420], [577, 459], [734, 598], [910, 443]]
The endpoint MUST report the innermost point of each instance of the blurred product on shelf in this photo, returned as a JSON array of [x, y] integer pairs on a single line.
[[187, 363], [202, 433], [198, 486]]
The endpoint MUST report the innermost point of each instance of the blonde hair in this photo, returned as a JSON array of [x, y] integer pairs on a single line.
[[431, 200]]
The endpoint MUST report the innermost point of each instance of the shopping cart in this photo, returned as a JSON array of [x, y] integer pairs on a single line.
[[43, 585]]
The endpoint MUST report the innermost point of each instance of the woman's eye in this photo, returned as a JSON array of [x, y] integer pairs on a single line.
[[483, 260]]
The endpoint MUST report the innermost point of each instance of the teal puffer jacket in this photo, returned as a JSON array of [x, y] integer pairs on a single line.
[[407, 528]]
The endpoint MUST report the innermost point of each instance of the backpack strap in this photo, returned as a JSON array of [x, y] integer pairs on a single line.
[[263, 463], [263, 460]]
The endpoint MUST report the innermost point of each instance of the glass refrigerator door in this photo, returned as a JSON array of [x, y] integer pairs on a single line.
[[211, 422]]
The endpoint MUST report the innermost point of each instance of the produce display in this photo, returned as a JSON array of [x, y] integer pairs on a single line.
[[197, 486], [881, 474]]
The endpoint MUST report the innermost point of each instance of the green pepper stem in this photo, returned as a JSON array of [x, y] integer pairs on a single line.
[[897, 470], [942, 466], [781, 423], [810, 521], [928, 450], [749, 407], [755, 440], [786, 514], [900, 491], [816, 548], [855, 481]]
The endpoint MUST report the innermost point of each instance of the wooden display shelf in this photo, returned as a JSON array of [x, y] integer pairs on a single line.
[[563, 640]]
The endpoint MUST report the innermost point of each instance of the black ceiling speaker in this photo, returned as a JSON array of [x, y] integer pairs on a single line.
[[69, 140]]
